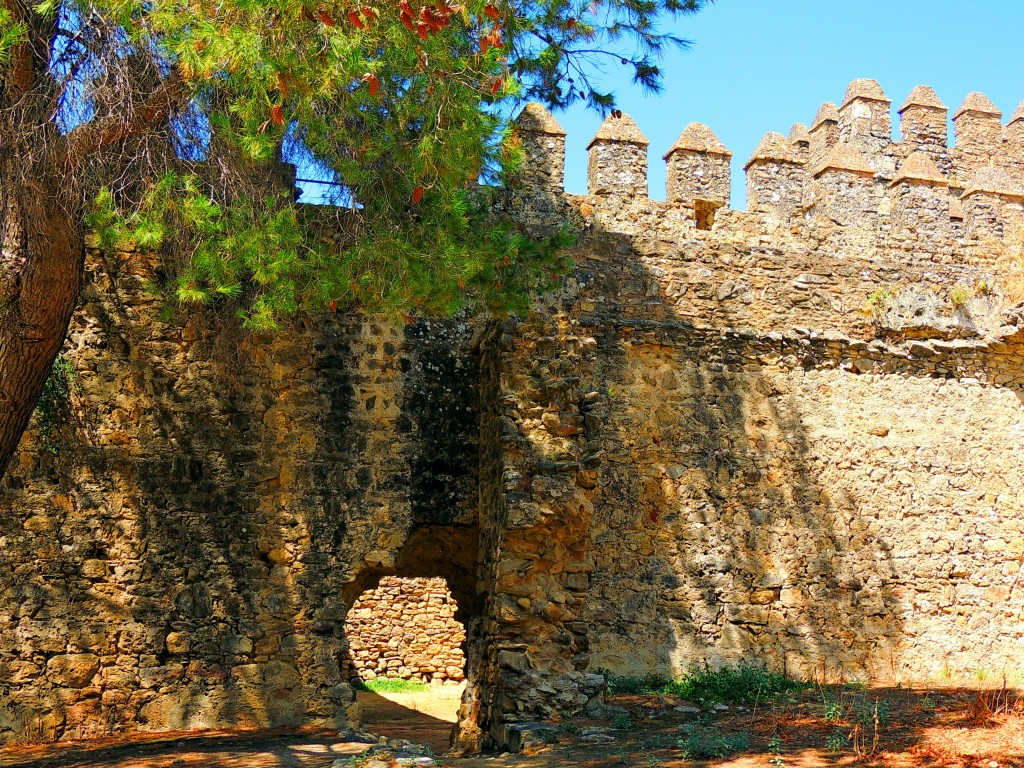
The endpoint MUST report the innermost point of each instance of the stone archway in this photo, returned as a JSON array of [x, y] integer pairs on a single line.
[[432, 555], [405, 630]]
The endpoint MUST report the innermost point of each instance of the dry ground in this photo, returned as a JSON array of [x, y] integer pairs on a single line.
[[953, 728]]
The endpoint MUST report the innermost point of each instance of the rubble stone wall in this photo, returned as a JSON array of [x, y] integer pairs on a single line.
[[188, 555], [789, 436], [406, 629]]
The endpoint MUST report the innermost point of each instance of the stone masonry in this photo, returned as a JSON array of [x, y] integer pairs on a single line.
[[405, 629], [787, 436]]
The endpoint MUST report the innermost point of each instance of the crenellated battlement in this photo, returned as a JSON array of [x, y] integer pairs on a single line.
[[843, 179]]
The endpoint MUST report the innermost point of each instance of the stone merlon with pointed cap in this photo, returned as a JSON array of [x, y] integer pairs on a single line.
[[776, 176], [992, 181], [542, 139], [1018, 115], [978, 130], [924, 97], [617, 161], [979, 104], [866, 89], [620, 127], [774, 148], [697, 137], [864, 118], [536, 119], [923, 125], [799, 134], [697, 167], [919, 167], [843, 157], [827, 113]]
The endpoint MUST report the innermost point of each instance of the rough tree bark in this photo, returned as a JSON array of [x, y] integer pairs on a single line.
[[42, 245], [40, 276]]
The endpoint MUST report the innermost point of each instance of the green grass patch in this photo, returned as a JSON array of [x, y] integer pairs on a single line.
[[733, 685], [391, 685], [726, 685]]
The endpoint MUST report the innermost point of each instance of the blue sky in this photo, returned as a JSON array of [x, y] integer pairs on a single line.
[[762, 65]]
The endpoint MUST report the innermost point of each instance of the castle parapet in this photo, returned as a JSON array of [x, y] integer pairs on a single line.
[[824, 131], [993, 206], [697, 167], [776, 176], [1015, 138], [800, 139], [543, 143], [864, 119], [978, 130], [923, 125], [844, 188], [617, 163], [921, 202]]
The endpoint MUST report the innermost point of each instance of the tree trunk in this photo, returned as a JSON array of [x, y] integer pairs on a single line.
[[41, 263]]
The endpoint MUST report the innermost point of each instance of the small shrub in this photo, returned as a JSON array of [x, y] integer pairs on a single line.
[[775, 749], [705, 741], [733, 685], [876, 304], [959, 295], [570, 727], [54, 406], [836, 741], [635, 685], [623, 723], [832, 709], [865, 713]]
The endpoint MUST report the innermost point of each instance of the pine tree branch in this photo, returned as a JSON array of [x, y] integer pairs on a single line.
[[91, 137]]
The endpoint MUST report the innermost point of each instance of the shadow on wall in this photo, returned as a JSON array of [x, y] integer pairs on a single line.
[[715, 538], [666, 505], [170, 594]]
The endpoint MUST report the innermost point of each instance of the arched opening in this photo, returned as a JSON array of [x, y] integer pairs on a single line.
[[412, 636], [405, 630]]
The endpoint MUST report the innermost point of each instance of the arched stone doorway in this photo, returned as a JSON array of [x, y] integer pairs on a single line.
[[438, 563], [405, 630]]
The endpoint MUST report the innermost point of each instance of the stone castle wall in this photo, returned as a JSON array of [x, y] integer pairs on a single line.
[[405, 629], [787, 436]]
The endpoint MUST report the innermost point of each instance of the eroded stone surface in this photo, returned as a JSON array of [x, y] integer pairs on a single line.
[[787, 436]]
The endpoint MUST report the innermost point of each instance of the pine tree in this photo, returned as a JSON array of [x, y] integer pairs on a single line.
[[168, 123]]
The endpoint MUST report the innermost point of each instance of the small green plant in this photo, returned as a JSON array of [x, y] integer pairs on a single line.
[[703, 740], [836, 741], [855, 685], [635, 685], [570, 727], [831, 708], [868, 720], [927, 704], [54, 406], [732, 685], [876, 305], [623, 723], [959, 295], [775, 749], [984, 287], [391, 685]]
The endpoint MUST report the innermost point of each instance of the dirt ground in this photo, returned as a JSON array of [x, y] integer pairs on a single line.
[[952, 728]]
